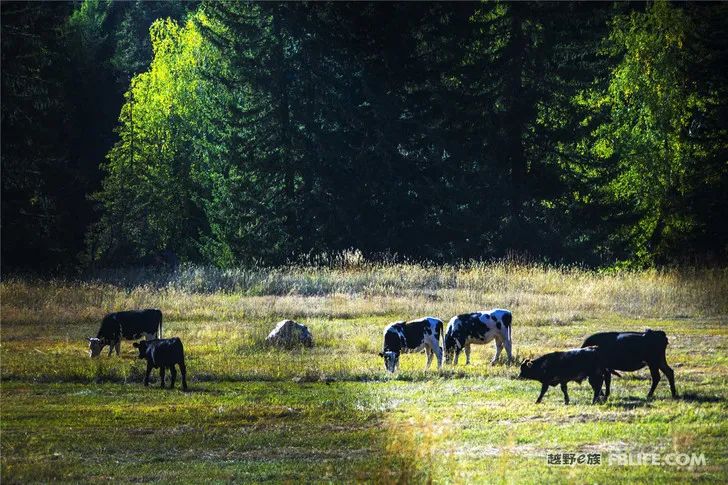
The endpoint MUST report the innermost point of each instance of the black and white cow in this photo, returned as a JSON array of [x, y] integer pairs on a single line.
[[562, 367], [131, 325], [412, 336], [630, 351], [163, 354], [478, 328]]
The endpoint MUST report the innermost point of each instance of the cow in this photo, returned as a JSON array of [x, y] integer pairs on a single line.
[[631, 351], [412, 336], [563, 367], [163, 354], [478, 328], [131, 325]]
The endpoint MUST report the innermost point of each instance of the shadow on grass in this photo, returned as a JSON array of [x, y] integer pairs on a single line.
[[701, 398]]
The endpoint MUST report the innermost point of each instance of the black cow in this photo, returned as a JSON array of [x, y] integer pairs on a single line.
[[131, 325], [412, 336], [562, 367], [162, 354], [630, 351]]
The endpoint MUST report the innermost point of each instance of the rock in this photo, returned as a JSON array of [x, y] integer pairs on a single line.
[[288, 333]]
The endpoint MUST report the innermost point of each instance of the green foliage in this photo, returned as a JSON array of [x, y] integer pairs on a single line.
[[649, 105], [264, 132], [150, 170]]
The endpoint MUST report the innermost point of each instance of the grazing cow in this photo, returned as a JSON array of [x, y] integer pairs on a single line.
[[412, 336], [562, 367], [478, 328], [630, 351], [162, 354], [131, 325]]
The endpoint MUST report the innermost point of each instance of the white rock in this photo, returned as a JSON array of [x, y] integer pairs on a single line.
[[288, 333]]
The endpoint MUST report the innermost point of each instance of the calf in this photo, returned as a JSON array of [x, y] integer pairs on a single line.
[[163, 354], [562, 367], [412, 336], [630, 351], [131, 325], [478, 328]]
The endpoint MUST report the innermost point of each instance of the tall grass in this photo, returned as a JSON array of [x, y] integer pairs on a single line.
[[539, 294]]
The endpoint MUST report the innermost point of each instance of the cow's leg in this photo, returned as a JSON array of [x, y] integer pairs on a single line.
[[467, 354], [596, 384], [428, 351], [498, 349], [607, 383], [149, 371], [173, 375], [438, 354], [655, 372], [670, 376], [566, 392], [544, 388], [509, 350], [161, 376], [111, 349], [183, 371], [118, 348], [455, 359]]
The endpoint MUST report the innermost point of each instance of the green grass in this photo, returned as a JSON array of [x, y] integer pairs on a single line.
[[331, 413]]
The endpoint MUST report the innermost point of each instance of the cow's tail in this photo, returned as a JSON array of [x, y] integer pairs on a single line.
[[160, 324], [612, 371], [441, 335], [508, 321]]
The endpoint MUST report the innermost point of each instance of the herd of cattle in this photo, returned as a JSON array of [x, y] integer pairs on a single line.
[[600, 355]]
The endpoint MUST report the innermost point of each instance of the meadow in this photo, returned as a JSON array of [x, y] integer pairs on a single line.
[[331, 413]]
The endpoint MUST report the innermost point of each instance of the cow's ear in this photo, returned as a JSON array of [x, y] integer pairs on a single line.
[[381, 354], [135, 345], [88, 339]]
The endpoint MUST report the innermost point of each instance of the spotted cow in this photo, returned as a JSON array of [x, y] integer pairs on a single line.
[[412, 336], [478, 328]]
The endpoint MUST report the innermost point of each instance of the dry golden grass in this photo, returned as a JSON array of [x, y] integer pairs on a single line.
[[537, 294]]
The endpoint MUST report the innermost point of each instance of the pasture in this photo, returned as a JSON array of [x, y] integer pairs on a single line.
[[331, 413]]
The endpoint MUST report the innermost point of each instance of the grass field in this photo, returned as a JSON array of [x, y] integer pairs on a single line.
[[331, 413]]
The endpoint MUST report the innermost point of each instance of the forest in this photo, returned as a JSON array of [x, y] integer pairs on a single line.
[[240, 133]]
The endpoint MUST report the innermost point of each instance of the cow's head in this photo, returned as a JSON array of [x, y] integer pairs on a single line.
[[527, 370], [142, 346], [95, 346], [451, 345], [391, 360]]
